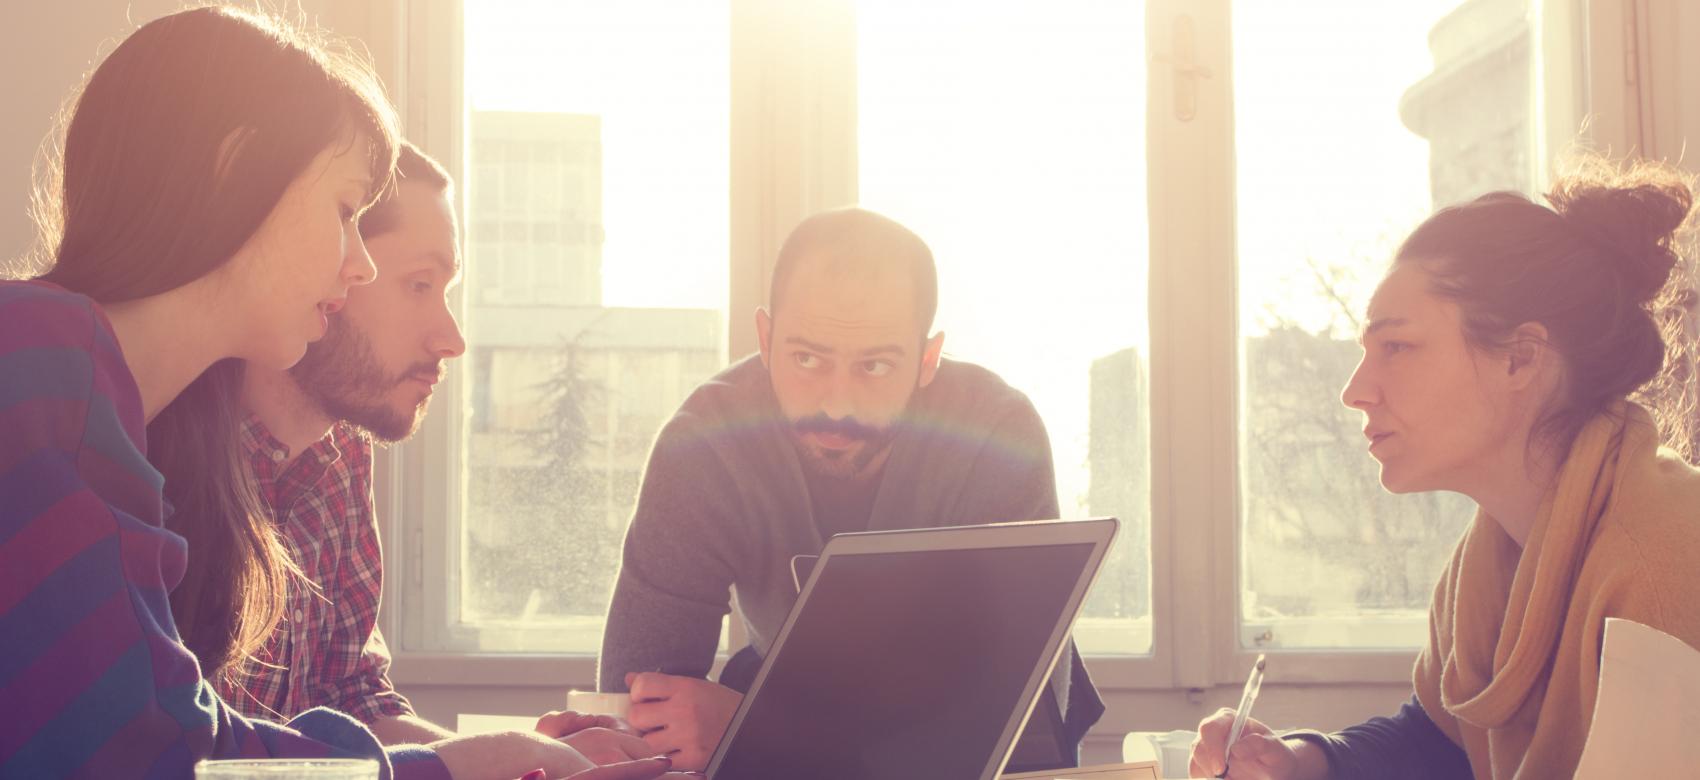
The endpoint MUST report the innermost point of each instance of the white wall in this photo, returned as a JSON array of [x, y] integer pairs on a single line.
[[45, 50], [1669, 81]]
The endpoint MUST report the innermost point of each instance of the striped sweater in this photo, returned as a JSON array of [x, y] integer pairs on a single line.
[[94, 681]]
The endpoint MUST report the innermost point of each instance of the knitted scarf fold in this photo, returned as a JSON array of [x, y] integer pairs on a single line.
[[1511, 670]]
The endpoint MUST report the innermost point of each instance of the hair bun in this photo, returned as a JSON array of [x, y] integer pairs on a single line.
[[1633, 216]]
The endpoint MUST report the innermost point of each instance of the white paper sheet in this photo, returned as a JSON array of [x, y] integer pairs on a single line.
[[469, 723], [1649, 703]]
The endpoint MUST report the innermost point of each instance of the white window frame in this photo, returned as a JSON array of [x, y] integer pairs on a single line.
[[793, 152]]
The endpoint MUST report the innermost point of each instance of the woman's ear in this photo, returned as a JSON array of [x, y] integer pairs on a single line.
[[1529, 355]]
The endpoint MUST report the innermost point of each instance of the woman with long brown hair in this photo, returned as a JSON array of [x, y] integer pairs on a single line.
[[202, 212]]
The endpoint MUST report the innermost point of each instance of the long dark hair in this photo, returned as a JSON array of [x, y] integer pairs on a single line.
[[1601, 270], [179, 146]]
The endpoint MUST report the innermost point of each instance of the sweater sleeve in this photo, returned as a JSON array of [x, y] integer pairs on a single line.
[[677, 569], [1405, 746], [94, 680]]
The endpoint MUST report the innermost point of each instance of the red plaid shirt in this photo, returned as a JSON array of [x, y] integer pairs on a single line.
[[327, 651]]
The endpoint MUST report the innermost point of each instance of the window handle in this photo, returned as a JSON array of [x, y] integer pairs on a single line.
[[1183, 61]]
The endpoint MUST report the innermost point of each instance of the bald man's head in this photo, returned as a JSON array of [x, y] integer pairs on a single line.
[[845, 340], [857, 244]]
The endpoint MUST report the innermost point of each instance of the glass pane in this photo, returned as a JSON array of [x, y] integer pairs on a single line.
[[1354, 121], [1011, 137], [599, 134]]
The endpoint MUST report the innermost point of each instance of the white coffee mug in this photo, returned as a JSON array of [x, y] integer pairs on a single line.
[[1174, 751], [592, 703]]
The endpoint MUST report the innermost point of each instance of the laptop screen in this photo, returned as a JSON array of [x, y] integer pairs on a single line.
[[1041, 745], [905, 664]]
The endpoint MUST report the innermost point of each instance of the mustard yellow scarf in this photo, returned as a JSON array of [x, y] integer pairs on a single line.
[[1512, 665]]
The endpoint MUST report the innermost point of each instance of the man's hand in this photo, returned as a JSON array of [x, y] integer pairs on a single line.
[[559, 724], [682, 717]]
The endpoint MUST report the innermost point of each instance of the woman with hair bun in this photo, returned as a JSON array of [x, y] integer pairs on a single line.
[[1511, 354]]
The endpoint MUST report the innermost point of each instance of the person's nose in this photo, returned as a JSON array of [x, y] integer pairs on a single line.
[[446, 340], [837, 403], [1360, 390], [357, 265]]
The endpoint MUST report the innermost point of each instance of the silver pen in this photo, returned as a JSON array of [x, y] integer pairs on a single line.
[[1253, 684]]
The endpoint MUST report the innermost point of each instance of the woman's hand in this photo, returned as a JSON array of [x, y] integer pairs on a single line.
[[511, 754], [555, 725], [1258, 754], [606, 746], [647, 769]]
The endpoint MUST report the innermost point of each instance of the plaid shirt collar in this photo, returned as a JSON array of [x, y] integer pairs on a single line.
[[282, 481]]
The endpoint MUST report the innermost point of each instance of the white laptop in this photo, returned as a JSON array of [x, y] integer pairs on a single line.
[[914, 654]]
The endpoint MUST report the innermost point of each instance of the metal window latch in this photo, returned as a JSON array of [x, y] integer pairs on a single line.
[[1183, 61]]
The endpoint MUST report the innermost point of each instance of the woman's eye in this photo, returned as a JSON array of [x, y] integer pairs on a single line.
[[1394, 347]]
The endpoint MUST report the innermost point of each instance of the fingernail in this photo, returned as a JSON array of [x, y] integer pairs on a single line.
[[535, 774]]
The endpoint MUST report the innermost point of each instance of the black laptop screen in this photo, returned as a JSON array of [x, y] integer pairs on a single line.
[[905, 665]]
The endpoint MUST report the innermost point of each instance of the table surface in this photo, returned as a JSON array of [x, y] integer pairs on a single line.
[[1136, 746]]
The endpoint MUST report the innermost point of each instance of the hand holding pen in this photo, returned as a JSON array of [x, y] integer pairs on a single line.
[[1248, 696], [1234, 745]]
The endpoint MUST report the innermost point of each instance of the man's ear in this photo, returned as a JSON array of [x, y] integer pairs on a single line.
[[1528, 354], [764, 336], [932, 352]]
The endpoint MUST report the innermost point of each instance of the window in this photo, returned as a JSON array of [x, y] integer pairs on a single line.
[[1329, 559], [1003, 163], [1159, 220], [596, 295]]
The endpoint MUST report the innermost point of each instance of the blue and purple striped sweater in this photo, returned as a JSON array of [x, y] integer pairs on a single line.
[[94, 681]]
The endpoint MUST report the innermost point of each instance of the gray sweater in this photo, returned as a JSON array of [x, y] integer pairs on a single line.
[[724, 507]]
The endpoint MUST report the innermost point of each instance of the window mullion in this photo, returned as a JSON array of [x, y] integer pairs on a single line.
[[427, 501], [793, 135], [1193, 338]]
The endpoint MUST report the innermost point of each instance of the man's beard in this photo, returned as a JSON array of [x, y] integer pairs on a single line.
[[341, 375], [842, 465]]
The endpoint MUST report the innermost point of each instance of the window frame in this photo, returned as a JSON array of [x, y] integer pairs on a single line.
[[793, 152]]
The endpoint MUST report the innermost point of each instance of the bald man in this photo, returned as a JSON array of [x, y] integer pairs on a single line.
[[848, 420]]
